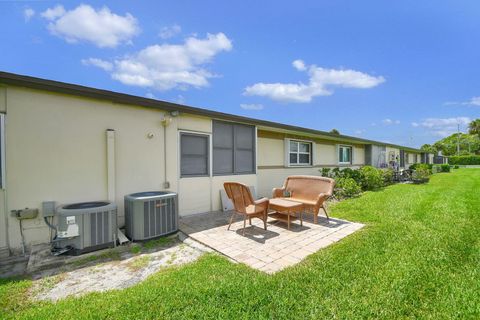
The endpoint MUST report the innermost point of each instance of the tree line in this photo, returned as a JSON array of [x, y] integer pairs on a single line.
[[469, 143]]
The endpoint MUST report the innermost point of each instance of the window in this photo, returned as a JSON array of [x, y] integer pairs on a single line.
[[344, 154], [194, 159], [2, 151], [233, 148], [299, 153]]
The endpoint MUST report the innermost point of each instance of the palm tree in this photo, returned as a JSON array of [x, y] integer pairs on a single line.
[[474, 127]]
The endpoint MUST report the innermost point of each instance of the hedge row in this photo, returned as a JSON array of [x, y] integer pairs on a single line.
[[464, 160]]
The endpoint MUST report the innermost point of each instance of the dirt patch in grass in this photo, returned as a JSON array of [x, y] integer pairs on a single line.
[[114, 270]]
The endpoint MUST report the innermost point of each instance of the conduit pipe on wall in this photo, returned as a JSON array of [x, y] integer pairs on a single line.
[[167, 119], [111, 164], [165, 122]]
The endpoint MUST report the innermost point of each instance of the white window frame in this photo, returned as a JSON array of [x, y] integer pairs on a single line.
[[287, 153], [351, 154]]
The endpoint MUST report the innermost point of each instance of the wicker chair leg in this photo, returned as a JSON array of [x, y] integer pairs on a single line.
[[326, 213], [250, 221], [265, 220], [231, 220], [244, 224]]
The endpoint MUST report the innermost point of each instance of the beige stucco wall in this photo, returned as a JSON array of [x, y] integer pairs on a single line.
[[326, 154], [56, 150], [358, 155], [272, 170], [271, 152]]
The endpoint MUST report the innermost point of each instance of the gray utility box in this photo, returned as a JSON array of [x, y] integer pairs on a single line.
[[87, 226], [150, 214]]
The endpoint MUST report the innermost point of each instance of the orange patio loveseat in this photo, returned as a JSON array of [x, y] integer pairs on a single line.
[[312, 191]]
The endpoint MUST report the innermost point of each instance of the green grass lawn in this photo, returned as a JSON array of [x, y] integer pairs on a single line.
[[417, 257]]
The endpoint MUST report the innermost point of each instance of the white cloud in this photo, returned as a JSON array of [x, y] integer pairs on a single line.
[[53, 13], [320, 82], [360, 132], [299, 65], [443, 127], [169, 66], [100, 27], [28, 13], [251, 106], [102, 64], [388, 121], [170, 32], [150, 95], [474, 101]]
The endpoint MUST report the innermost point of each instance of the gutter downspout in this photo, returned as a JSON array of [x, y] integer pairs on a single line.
[[110, 135], [4, 175], [110, 165]]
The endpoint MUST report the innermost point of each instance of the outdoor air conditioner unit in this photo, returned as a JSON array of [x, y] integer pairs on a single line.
[[87, 226], [150, 214]]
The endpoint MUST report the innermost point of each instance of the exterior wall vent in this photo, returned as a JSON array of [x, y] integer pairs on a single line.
[[150, 214], [87, 226]]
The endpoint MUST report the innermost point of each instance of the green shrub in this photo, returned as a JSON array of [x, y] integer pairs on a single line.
[[338, 173], [415, 165], [421, 174], [325, 172], [456, 167], [464, 160], [347, 188], [371, 178], [354, 174], [445, 168], [424, 168], [387, 176]]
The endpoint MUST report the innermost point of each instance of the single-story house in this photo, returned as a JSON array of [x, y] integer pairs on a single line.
[[69, 143]]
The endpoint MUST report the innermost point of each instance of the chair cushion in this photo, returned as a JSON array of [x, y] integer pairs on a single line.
[[253, 209], [304, 201]]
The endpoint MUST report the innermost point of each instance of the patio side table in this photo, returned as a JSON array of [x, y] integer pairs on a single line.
[[286, 210]]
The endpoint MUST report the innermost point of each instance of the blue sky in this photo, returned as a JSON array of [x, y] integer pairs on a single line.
[[405, 72]]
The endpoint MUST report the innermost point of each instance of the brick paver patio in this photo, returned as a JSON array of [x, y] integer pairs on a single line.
[[268, 250]]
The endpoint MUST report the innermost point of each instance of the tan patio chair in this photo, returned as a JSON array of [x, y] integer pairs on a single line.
[[245, 205], [312, 191]]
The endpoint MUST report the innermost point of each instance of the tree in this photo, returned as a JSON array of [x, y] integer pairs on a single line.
[[469, 144], [474, 127], [334, 131], [429, 148]]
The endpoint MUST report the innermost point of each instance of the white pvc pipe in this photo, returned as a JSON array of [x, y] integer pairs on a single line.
[[111, 164]]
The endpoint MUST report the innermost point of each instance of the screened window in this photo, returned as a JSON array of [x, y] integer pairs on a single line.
[[233, 148], [194, 159], [345, 154], [299, 153]]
